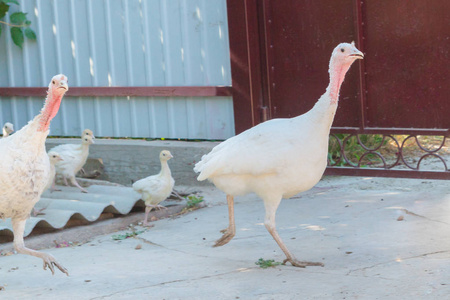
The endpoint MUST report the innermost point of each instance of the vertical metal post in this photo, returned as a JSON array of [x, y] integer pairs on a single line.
[[359, 26]]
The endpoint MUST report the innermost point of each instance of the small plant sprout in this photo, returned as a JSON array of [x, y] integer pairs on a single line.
[[262, 263], [126, 235], [193, 201]]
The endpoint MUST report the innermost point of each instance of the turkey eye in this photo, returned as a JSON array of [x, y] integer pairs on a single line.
[[53, 82], [342, 50]]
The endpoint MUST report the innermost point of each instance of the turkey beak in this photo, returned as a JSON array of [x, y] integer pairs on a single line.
[[357, 54], [63, 85]]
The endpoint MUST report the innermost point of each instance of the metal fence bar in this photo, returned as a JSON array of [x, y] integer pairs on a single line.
[[378, 172], [138, 91]]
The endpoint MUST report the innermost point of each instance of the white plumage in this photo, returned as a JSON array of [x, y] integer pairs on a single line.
[[74, 157], [8, 128], [278, 158], [155, 189], [25, 169]]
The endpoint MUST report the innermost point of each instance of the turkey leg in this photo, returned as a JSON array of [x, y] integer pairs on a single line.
[[269, 222], [53, 187], [228, 233], [19, 245], [75, 183], [147, 211]]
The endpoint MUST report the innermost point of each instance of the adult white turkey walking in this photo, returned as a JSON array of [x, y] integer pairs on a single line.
[[278, 158], [156, 188], [25, 169]]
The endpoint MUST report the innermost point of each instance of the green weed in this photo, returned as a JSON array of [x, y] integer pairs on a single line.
[[262, 263], [126, 235], [193, 201]]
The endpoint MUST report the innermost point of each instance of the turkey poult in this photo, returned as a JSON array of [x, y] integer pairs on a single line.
[[86, 132], [8, 128], [280, 157], [155, 189], [54, 158], [73, 158], [25, 169]]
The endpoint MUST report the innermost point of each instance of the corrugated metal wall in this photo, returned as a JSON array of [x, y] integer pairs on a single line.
[[124, 43]]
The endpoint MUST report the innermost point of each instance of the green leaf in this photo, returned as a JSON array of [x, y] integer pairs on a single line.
[[262, 263], [17, 36], [28, 22], [3, 9], [30, 34], [11, 1], [18, 18]]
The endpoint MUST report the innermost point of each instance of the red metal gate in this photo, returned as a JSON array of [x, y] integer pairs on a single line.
[[279, 58]]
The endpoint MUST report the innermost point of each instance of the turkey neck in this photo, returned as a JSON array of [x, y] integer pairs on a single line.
[[324, 110], [48, 112], [165, 171], [84, 147]]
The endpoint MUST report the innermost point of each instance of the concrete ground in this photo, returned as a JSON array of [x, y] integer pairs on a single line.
[[378, 238]]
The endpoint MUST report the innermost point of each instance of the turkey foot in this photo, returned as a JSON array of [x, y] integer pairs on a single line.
[[50, 262], [159, 207], [148, 225], [228, 234], [37, 212], [302, 264], [75, 183], [53, 187]]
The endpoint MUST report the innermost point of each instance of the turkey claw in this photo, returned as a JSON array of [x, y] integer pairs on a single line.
[[50, 262], [302, 264], [227, 236], [158, 207]]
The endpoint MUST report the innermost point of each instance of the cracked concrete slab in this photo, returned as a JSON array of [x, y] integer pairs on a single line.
[[352, 225]]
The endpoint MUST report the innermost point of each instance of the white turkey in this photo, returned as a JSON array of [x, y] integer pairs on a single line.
[[8, 128], [74, 157], [86, 132], [25, 170], [155, 189], [279, 158], [54, 158]]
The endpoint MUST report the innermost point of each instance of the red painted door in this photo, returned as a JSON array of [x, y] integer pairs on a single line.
[[280, 52]]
